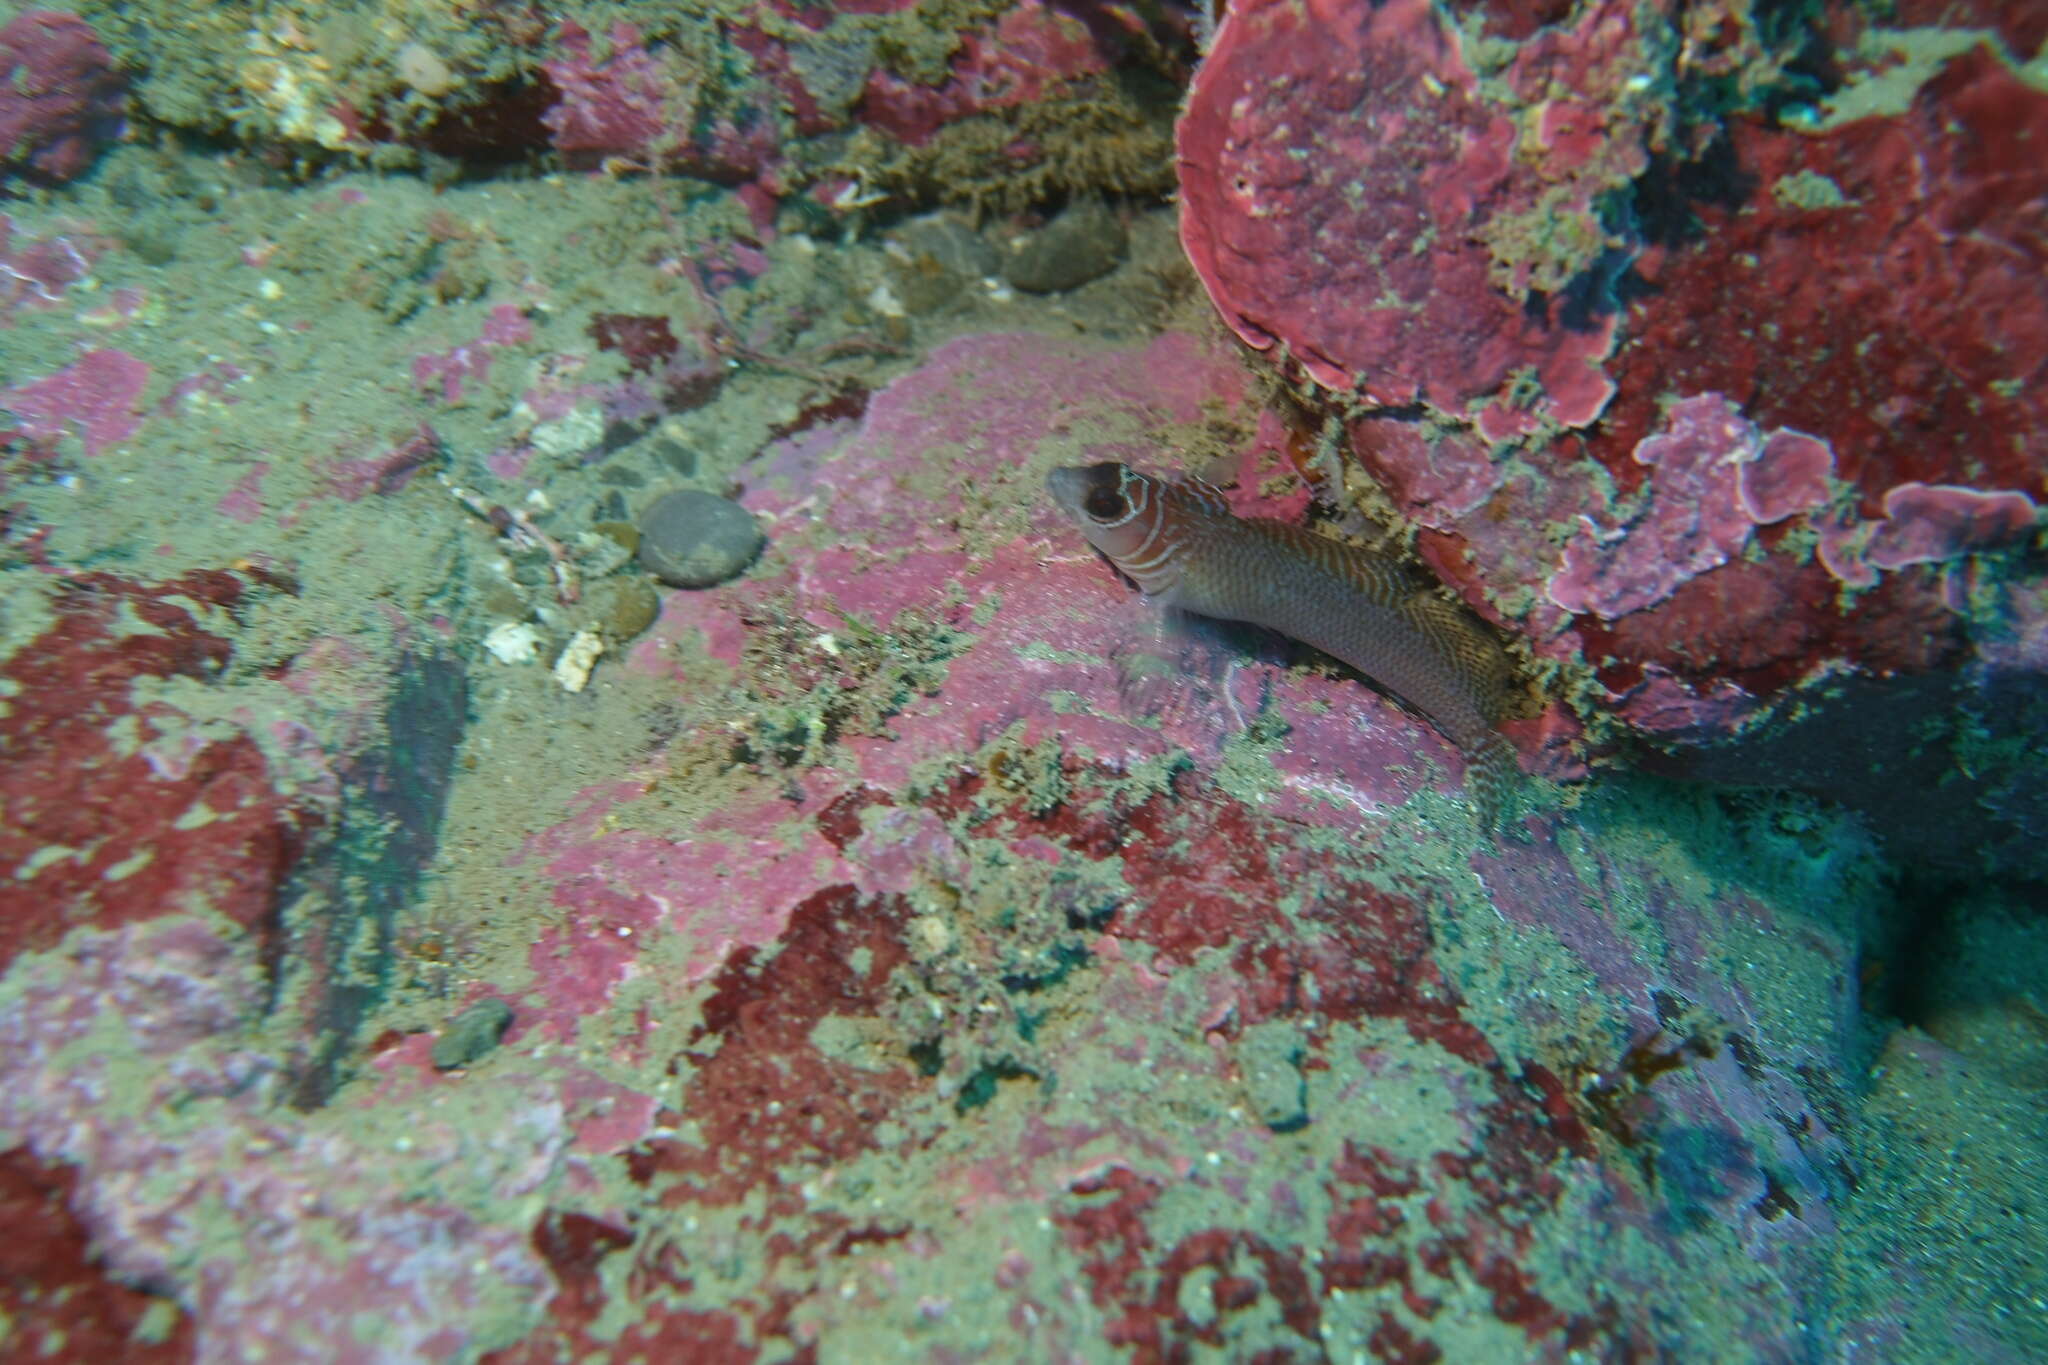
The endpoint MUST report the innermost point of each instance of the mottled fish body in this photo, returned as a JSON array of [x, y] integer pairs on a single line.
[[1184, 548]]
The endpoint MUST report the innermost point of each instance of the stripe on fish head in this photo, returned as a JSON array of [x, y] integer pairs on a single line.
[[1126, 515]]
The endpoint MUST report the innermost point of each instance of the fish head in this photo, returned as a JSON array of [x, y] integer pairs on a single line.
[[1126, 515]]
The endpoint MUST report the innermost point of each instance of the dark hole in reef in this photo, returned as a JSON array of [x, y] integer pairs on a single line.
[[1953, 943], [503, 125], [1919, 923], [1092, 917], [1812, 71], [1065, 957], [1588, 297], [981, 1086], [1776, 1201], [1661, 210], [1593, 294]]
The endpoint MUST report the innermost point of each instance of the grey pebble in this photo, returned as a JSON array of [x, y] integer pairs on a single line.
[[472, 1034], [1085, 242], [690, 539], [934, 257], [1269, 1058], [951, 241]]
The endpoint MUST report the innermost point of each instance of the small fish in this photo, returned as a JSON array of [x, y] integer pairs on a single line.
[[1182, 547]]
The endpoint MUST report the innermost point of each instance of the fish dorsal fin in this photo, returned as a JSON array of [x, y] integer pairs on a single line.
[[1417, 594]]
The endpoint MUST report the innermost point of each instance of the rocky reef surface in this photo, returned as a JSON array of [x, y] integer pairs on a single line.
[[429, 933]]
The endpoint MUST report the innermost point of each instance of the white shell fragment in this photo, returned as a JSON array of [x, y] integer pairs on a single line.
[[579, 656], [513, 642]]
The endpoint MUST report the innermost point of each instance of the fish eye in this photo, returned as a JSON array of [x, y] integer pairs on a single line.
[[1105, 504]]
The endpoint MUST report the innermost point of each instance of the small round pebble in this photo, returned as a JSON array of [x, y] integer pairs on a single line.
[[1083, 243], [621, 608], [931, 259], [421, 68], [1269, 1058], [472, 1034], [690, 539], [624, 533]]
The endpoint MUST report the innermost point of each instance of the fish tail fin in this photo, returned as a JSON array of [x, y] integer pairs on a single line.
[[1493, 774]]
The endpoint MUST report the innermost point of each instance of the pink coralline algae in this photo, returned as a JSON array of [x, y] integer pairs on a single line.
[[56, 1289], [94, 398], [35, 272], [623, 105], [143, 855], [1918, 356], [1351, 198], [1702, 500], [642, 103], [451, 369], [1925, 524], [388, 471], [278, 1237], [244, 501], [1787, 477], [59, 95], [1024, 55], [1774, 429], [1168, 1012], [1928, 524]]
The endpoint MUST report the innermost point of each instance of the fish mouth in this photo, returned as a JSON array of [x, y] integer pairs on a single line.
[[1068, 484], [1071, 485]]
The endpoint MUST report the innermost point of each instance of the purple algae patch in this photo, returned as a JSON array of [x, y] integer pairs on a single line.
[[1693, 520], [60, 96], [95, 397], [1787, 477], [1926, 524]]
